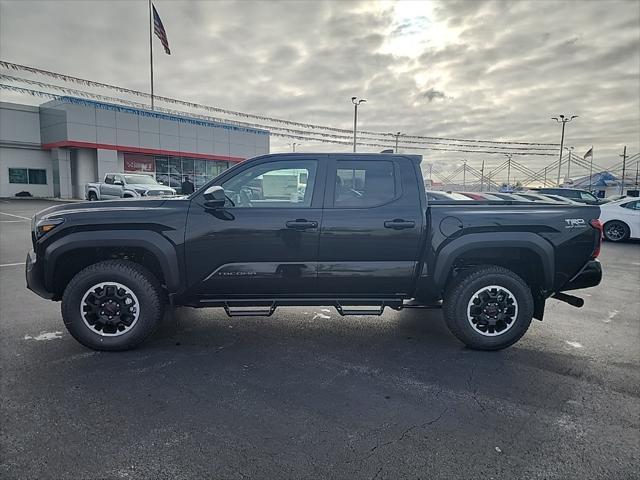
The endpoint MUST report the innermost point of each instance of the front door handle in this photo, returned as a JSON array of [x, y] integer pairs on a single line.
[[301, 224], [399, 224]]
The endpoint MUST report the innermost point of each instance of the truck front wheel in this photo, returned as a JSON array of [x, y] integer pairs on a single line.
[[488, 308], [112, 305]]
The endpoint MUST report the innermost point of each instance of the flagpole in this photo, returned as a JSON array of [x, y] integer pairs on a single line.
[[151, 50], [591, 169]]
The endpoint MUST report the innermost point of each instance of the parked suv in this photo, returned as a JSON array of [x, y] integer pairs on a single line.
[[580, 196]]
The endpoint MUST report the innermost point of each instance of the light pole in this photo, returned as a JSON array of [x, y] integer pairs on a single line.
[[356, 101], [508, 168], [464, 174], [293, 146], [624, 169], [564, 120], [570, 149], [397, 135]]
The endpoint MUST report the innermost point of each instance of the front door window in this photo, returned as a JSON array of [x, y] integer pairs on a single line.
[[287, 184]]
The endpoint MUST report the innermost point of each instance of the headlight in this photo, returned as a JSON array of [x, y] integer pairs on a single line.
[[140, 191], [46, 225]]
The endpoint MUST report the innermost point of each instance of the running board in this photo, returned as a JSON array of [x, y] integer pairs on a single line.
[[248, 311], [375, 310], [261, 307]]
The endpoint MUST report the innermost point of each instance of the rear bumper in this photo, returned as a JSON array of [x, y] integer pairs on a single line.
[[589, 276], [35, 276]]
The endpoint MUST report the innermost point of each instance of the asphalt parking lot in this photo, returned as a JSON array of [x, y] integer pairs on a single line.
[[309, 394]]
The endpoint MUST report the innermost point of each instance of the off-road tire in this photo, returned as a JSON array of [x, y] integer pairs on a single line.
[[138, 280], [465, 287]]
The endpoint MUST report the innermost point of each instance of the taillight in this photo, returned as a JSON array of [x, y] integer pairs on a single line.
[[597, 224]]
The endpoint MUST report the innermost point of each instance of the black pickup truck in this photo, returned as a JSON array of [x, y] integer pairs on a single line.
[[353, 231]]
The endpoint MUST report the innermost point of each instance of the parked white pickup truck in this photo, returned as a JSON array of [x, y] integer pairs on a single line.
[[126, 185]]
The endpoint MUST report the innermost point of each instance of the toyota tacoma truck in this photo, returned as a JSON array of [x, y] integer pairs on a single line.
[[352, 231], [125, 185]]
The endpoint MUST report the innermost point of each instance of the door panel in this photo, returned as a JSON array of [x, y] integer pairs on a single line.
[[371, 228], [107, 188], [266, 244]]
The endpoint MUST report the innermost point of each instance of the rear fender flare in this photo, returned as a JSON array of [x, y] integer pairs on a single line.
[[447, 256], [164, 251]]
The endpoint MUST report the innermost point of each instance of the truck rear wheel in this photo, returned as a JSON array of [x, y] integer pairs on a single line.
[[92, 197], [112, 305], [488, 308]]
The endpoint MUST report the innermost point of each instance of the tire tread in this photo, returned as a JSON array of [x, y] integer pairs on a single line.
[[457, 289], [141, 277]]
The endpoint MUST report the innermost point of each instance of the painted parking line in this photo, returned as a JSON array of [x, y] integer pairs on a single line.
[[13, 221], [11, 264], [16, 216]]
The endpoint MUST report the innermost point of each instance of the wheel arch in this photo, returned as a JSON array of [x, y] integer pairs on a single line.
[[69, 254], [503, 249]]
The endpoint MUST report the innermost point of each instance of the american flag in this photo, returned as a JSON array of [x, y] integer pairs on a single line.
[[158, 29]]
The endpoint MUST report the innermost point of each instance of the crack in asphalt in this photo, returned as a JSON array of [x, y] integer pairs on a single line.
[[404, 434], [474, 391]]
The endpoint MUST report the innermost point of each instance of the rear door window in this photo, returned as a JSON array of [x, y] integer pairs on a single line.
[[365, 183], [587, 197], [632, 205]]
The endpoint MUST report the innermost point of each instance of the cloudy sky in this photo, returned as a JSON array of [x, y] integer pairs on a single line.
[[493, 70]]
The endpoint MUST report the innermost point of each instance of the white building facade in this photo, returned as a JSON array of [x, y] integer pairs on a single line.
[[55, 149]]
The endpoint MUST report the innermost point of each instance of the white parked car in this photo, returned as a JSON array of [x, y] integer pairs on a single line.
[[621, 219]]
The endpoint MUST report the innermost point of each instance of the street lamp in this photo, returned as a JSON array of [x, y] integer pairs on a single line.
[[509, 155], [570, 150], [564, 120], [356, 101], [397, 135], [293, 146], [464, 174]]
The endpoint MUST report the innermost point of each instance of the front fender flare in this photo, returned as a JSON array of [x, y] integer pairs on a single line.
[[159, 246], [447, 256]]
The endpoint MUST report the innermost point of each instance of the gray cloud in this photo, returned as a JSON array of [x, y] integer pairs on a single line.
[[506, 68], [433, 94]]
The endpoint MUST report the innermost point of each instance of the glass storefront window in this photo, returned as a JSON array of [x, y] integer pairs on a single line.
[[162, 164], [200, 167], [187, 167], [171, 171], [175, 166]]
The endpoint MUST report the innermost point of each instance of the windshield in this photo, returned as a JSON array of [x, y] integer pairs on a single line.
[[140, 179]]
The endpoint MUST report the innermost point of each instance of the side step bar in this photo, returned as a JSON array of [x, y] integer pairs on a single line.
[[266, 308], [248, 311], [375, 310]]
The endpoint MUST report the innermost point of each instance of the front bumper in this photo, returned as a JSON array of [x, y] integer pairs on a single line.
[[589, 276], [35, 276]]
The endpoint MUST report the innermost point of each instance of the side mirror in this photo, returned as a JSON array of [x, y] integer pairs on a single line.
[[214, 197]]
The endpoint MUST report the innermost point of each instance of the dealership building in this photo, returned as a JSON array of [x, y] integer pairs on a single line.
[[55, 149]]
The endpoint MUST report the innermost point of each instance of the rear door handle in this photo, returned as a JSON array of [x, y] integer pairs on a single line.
[[301, 224], [399, 224]]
